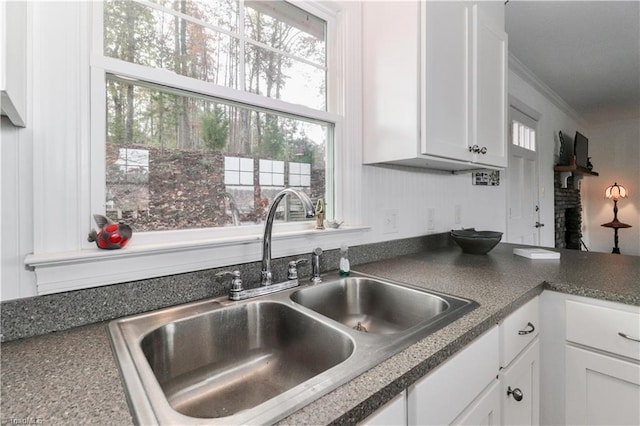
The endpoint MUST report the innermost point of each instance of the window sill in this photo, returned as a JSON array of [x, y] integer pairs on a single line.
[[74, 270]]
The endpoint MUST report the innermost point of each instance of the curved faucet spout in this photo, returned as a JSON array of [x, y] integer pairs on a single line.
[[268, 226]]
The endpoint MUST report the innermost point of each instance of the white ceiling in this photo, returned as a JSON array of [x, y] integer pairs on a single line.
[[588, 52]]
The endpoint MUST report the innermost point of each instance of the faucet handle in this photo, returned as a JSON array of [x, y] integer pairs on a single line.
[[292, 274], [236, 281]]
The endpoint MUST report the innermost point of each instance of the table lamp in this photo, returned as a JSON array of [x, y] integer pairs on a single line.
[[615, 192]]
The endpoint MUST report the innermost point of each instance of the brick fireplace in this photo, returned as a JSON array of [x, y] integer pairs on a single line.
[[568, 214]]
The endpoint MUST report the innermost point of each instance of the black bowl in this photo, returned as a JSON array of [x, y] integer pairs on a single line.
[[476, 242]]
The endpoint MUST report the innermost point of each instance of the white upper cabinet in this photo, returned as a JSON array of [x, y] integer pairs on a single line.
[[434, 84], [13, 60], [489, 98], [446, 79]]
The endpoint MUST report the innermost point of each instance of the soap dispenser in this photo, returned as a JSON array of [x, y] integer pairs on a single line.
[[344, 261]]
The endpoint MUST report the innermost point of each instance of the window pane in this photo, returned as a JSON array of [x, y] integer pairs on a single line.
[[220, 13], [180, 161], [146, 36], [277, 76], [202, 40], [523, 136], [287, 28]]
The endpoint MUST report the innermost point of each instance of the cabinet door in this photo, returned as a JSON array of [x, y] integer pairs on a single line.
[[13, 61], [484, 411], [489, 105], [521, 388], [390, 81], [393, 413], [445, 79], [601, 390], [442, 395]]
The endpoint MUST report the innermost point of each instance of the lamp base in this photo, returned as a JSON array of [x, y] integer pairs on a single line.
[[616, 250]]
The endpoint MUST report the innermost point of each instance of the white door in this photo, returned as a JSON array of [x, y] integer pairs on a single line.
[[523, 226]]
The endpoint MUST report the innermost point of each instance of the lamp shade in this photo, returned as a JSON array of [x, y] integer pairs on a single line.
[[616, 191]]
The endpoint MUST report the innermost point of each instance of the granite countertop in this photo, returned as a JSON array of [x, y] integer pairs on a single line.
[[71, 377]]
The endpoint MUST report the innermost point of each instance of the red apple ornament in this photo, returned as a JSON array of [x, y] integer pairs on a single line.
[[110, 235]]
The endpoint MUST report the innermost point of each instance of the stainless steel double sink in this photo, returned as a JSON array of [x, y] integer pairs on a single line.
[[258, 360]]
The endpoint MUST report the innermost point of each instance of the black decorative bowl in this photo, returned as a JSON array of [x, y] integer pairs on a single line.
[[476, 242]]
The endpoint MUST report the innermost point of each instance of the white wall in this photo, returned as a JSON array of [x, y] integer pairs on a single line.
[[555, 116], [614, 148], [413, 191], [17, 211]]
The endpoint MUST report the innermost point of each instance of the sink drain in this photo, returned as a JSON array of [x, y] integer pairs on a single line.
[[360, 327]]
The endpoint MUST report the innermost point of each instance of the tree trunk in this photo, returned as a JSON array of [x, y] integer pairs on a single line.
[[130, 57], [183, 131]]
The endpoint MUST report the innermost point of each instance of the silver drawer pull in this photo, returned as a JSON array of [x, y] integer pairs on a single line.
[[621, 334], [530, 329]]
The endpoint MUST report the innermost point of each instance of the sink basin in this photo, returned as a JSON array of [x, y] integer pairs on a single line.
[[372, 306], [219, 362], [229, 360]]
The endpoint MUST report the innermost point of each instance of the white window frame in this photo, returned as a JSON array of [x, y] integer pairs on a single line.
[[75, 185]]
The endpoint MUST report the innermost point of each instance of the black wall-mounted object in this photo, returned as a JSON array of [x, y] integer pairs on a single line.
[[581, 150]]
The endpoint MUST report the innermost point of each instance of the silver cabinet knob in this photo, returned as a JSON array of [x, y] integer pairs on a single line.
[[517, 393]]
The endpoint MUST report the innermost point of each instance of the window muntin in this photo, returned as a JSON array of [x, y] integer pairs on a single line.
[[203, 158]]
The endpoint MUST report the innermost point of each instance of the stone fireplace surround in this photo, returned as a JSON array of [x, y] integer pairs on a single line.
[[568, 213]]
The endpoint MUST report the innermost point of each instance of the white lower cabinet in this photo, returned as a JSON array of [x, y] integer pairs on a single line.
[[444, 394], [493, 381], [520, 388], [601, 389], [591, 375], [591, 361], [393, 413], [484, 410], [602, 363]]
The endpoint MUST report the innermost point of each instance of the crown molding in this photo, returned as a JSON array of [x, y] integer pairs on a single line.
[[528, 76]]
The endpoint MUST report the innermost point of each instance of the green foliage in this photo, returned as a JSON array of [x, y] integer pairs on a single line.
[[214, 129], [136, 33], [273, 140]]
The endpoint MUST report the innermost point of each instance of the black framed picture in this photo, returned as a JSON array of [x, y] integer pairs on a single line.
[[488, 178]]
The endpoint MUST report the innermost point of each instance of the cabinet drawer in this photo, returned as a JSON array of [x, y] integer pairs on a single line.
[[518, 330], [441, 396], [599, 327]]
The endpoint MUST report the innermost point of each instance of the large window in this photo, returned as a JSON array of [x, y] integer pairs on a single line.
[[184, 118], [237, 113]]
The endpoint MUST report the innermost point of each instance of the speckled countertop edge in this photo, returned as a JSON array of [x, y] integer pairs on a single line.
[[71, 376]]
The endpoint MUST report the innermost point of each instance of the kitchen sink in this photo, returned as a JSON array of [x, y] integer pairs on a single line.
[[229, 360], [372, 306], [255, 361]]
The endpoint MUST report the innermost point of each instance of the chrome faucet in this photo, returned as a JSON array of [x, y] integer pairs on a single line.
[[237, 291], [267, 277]]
